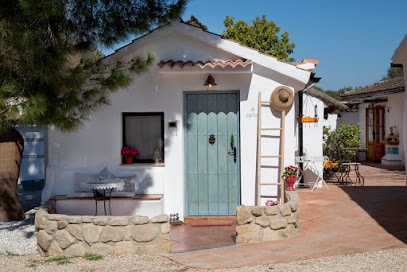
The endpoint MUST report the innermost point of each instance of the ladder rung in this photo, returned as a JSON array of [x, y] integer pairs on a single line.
[[270, 183], [271, 156], [271, 128]]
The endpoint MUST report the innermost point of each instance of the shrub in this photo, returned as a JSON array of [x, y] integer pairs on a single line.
[[345, 136]]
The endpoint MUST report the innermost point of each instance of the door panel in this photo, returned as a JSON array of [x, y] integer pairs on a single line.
[[212, 168], [375, 133]]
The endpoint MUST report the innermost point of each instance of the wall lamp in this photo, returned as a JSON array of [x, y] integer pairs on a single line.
[[209, 82]]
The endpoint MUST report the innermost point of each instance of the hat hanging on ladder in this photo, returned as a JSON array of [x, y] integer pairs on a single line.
[[282, 98]]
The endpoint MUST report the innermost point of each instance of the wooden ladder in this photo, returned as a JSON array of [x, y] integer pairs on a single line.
[[261, 156]]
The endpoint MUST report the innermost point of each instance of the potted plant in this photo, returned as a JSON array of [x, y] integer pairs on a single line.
[[290, 176], [128, 154]]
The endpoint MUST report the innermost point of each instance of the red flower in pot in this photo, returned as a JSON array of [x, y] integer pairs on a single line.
[[290, 176], [128, 154]]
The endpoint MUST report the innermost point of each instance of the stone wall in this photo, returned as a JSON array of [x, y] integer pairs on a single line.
[[268, 223], [59, 234]]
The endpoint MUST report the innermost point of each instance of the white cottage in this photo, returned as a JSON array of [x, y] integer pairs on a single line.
[[194, 118], [378, 108]]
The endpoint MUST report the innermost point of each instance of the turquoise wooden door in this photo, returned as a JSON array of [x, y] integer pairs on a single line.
[[212, 153]]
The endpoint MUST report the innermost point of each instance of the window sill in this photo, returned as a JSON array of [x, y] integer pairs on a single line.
[[144, 164]]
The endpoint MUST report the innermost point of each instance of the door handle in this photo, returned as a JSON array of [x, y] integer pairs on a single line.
[[233, 148]]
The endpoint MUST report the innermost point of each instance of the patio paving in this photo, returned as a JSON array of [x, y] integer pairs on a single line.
[[341, 220]]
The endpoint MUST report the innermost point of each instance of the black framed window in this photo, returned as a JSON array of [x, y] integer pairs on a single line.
[[145, 132]]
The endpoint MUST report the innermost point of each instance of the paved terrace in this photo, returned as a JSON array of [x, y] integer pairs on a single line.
[[341, 220]]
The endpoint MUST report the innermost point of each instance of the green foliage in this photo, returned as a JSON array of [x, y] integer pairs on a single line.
[[93, 257], [60, 260], [262, 35], [393, 72], [51, 72], [335, 94], [345, 136]]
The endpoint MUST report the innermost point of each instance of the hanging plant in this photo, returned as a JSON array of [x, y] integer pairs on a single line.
[[307, 119]]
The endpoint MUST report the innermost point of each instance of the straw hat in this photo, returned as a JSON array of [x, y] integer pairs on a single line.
[[282, 98]]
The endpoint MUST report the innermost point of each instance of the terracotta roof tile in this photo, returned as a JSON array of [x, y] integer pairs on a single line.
[[205, 64], [384, 87]]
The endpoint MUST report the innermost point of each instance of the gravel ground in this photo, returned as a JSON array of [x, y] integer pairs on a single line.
[[18, 252]]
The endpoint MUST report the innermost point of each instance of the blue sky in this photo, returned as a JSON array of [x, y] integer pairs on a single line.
[[353, 40]]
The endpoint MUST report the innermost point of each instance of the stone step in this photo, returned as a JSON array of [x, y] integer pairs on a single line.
[[210, 220]]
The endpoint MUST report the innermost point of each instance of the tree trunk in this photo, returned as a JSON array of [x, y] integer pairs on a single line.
[[11, 150]]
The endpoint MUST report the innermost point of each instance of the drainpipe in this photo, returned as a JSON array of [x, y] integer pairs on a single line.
[[300, 133], [309, 85]]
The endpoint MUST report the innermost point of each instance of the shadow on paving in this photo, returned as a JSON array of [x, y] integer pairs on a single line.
[[384, 198]]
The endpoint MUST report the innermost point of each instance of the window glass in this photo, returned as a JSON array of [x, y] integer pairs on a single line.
[[145, 132]]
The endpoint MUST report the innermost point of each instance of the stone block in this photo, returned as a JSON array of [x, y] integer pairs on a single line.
[[51, 227], [91, 233], [54, 249], [263, 221], [293, 206], [64, 239], [123, 247], [75, 220], [140, 220], [243, 215], [249, 233], [76, 231], [257, 211], [165, 228], [270, 210], [101, 221], [101, 249], [290, 231], [62, 224], [145, 233], [78, 249], [127, 231], [292, 219], [164, 245], [119, 221], [57, 217], [40, 220], [113, 234], [276, 224], [271, 235], [44, 240], [285, 210], [87, 219], [160, 218]]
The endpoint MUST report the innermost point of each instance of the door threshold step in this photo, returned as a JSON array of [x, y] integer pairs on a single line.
[[210, 220]]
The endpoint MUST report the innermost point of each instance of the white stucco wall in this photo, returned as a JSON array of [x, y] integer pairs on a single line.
[[400, 57], [312, 139]]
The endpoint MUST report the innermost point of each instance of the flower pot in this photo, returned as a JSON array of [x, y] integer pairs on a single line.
[[128, 159], [290, 180]]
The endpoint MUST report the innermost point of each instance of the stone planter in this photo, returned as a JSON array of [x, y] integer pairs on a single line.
[[268, 223]]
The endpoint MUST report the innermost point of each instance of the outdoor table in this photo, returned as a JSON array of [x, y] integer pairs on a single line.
[[102, 190], [309, 163], [347, 168]]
